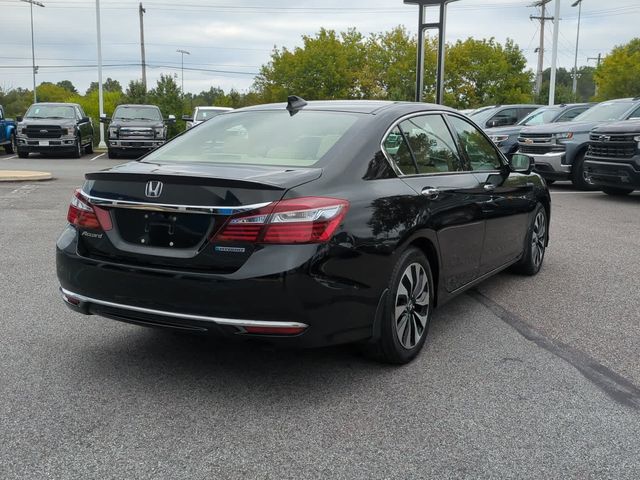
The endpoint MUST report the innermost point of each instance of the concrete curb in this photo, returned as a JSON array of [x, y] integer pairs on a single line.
[[23, 176]]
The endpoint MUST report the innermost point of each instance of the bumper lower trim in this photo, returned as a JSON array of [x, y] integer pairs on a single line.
[[71, 298]]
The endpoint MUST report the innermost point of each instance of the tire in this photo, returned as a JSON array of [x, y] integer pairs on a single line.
[[12, 146], [536, 245], [577, 174], [89, 148], [112, 154], [549, 182], [405, 321], [617, 192], [22, 154], [77, 152]]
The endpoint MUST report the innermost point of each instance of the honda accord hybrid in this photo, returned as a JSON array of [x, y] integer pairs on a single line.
[[306, 224]]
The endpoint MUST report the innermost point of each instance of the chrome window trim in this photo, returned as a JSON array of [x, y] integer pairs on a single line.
[[393, 165], [167, 207], [186, 316]]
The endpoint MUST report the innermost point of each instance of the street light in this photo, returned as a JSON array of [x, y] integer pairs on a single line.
[[100, 97], [33, 51], [182, 54], [577, 3]]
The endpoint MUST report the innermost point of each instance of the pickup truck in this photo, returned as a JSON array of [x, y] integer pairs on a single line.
[[7, 132], [612, 162], [202, 114], [54, 128], [559, 148], [135, 129]]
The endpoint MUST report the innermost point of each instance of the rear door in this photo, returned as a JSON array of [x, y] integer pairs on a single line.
[[424, 150], [505, 198]]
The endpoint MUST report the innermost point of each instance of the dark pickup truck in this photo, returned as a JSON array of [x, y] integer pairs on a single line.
[[612, 162], [135, 129], [7, 132], [54, 128], [559, 148]]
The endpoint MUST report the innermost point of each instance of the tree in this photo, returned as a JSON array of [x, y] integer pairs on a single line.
[[619, 73], [168, 96], [49, 92], [67, 85], [15, 101], [109, 85], [136, 92]]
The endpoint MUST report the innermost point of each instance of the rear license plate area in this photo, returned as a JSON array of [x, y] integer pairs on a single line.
[[163, 229]]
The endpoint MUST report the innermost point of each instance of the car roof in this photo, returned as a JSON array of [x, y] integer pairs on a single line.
[[58, 104], [355, 106], [136, 105], [212, 107]]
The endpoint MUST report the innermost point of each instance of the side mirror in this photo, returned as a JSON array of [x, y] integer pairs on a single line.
[[522, 163], [187, 118], [104, 118], [85, 120], [171, 119], [19, 118]]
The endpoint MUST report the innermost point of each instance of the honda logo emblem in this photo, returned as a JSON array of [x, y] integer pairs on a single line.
[[153, 189]]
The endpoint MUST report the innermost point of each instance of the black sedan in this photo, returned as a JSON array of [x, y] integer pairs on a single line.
[[304, 224]]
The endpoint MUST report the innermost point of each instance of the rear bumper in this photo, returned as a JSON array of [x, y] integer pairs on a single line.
[[605, 173], [328, 310]]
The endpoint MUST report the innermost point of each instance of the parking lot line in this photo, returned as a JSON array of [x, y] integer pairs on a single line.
[[9, 158], [96, 157]]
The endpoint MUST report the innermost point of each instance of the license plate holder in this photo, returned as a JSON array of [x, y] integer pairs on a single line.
[[43, 143]]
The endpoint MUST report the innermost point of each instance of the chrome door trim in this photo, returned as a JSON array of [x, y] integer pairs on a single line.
[[66, 294], [167, 207]]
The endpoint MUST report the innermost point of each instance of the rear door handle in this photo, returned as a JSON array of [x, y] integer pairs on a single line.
[[430, 192]]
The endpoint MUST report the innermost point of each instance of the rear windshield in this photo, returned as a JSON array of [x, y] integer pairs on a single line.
[[137, 113], [203, 114], [260, 138], [605, 111]]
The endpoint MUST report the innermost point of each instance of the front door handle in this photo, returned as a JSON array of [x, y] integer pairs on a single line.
[[489, 187], [430, 192]]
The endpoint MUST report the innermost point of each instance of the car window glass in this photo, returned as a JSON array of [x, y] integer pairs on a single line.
[[508, 116], [523, 112], [398, 151], [571, 114], [635, 113], [480, 151], [431, 144]]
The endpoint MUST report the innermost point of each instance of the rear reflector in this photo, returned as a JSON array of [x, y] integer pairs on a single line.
[[274, 330], [297, 220], [84, 215]]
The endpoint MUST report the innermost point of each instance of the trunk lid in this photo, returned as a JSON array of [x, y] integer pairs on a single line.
[[164, 215]]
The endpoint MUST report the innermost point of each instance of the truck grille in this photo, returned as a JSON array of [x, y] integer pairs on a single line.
[[131, 133], [535, 149], [612, 145], [537, 144], [43, 131]]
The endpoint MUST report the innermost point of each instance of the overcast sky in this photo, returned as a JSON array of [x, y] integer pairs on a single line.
[[230, 39]]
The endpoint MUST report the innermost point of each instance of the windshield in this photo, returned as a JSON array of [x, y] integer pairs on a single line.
[[540, 116], [206, 114], [482, 115], [137, 113], [605, 111], [259, 138], [51, 111]]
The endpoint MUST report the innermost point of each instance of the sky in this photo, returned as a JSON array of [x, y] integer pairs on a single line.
[[229, 40]]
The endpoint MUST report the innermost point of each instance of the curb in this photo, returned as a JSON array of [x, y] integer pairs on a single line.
[[23, 176]]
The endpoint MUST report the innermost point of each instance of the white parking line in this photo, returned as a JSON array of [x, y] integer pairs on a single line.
[[9, 158], [96, 157], [572, 192]]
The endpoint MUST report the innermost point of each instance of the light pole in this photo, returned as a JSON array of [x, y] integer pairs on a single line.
[[554, 53], [574, 89], [100, 98], [182, 53], [33, 51]]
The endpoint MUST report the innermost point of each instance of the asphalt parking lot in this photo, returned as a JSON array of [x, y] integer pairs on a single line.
[[520, 378]]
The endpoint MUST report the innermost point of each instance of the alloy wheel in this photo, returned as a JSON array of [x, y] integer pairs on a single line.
[[538, 237], [412, 305]]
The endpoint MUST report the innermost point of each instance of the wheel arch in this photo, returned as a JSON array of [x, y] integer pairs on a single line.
[[427, 244]]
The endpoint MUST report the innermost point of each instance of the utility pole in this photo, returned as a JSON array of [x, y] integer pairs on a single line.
[[33, 50], [142, 11], [554, 54], [574, 88], [100, 98], [182, 53], [598, 59], [542, 18]]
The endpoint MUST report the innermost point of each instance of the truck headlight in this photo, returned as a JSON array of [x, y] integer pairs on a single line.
[[637, 139], [498, 138], [562, 136], [113, 132], [159, 131]]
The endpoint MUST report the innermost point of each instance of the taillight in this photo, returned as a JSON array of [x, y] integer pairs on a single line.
[[297, 220], [84, 215]]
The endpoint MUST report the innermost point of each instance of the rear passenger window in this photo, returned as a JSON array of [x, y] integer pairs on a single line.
[[431, 144], [481, 153], [398, 150]]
